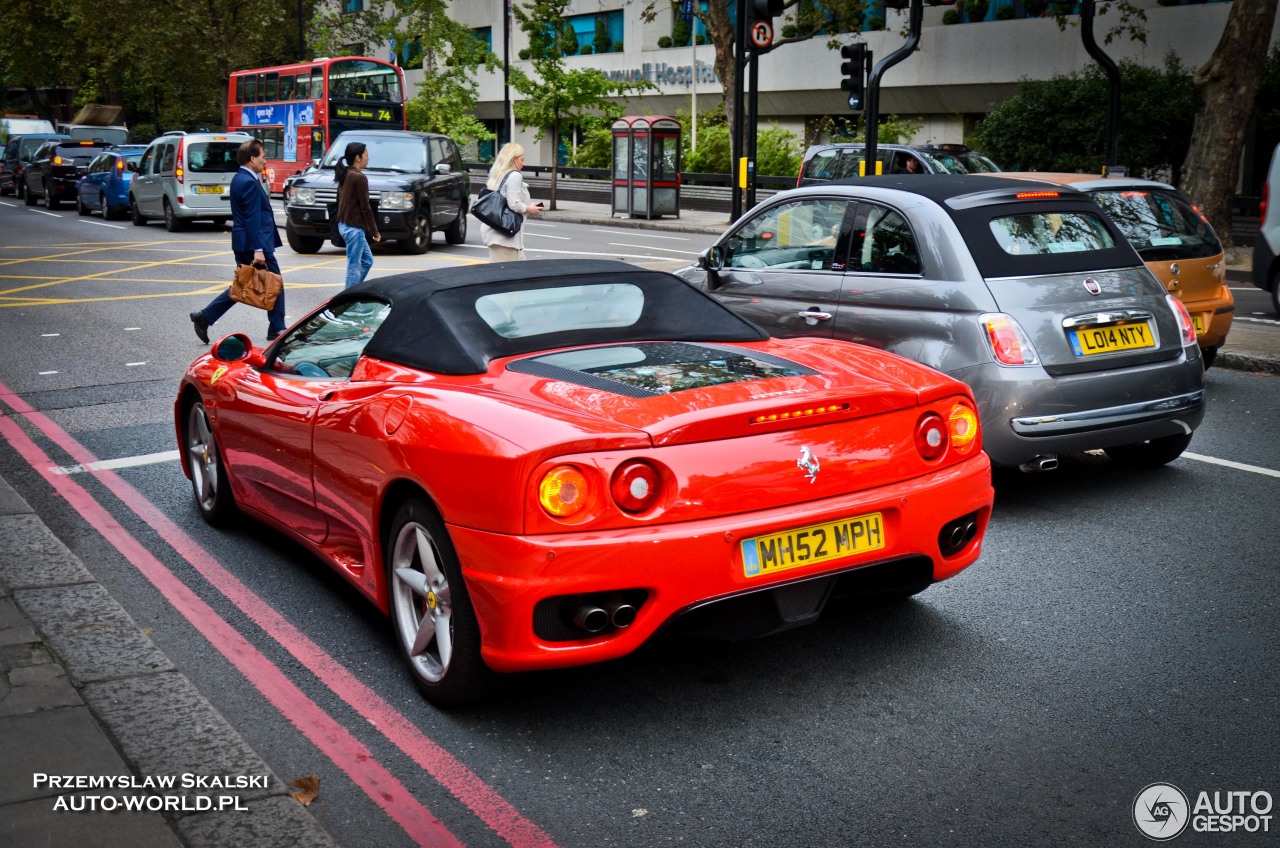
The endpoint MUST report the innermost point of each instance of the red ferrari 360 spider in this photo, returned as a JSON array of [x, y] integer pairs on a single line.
[[540, 464]]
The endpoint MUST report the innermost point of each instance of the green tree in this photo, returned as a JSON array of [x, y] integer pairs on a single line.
[[559, 98], [451, 54], [1060, 124]]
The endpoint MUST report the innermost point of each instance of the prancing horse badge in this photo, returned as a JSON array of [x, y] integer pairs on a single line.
[[808, 463]]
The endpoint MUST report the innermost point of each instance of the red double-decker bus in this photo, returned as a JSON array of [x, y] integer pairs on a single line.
[[297, 110]]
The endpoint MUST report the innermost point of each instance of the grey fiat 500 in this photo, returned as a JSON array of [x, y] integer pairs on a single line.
[[1029, 294]]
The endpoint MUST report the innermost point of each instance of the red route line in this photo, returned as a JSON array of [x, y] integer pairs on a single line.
[[452, 774], [327, 734]]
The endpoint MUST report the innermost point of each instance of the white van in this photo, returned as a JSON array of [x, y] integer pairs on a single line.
[[1266, 248], [183, 177], [23, 126]]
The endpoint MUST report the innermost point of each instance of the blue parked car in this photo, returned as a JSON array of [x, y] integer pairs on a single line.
[[105, 187]]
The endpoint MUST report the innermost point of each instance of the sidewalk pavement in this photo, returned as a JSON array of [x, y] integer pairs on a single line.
[[85, 693]]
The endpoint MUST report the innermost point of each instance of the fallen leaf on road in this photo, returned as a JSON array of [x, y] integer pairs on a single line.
[[308, 788]]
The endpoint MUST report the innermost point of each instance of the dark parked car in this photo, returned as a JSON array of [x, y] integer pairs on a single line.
[[56, 169], [417, 185], [18, 151], [839, 161], [105, 188], [1027, 292]]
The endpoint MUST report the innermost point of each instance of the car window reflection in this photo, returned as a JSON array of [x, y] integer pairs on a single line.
[[330, 343]]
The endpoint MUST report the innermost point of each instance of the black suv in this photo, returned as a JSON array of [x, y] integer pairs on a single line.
[[841, 161], [417, 185], [17, 156], [56, 169]]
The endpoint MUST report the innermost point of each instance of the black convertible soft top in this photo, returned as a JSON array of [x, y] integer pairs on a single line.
[[433, 323]]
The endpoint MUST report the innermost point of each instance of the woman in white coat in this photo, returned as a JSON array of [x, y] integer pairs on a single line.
[[502, 247]]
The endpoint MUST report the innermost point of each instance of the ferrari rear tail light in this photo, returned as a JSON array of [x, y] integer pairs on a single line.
[[931, 436], [636, 486], [1010, 344], [564, 491], [963, 421], [1185, 323]]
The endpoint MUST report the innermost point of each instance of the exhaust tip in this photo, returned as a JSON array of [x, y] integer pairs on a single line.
[[1048, 462], [591, 618], [622, 615]]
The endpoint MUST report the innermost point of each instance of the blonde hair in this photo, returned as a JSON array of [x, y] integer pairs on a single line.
[[503, 163]]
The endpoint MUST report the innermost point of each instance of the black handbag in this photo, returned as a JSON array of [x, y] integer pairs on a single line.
[[492, 209]]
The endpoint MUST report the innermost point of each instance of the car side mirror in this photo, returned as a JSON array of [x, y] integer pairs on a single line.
[[132, 166], [444, 169], [711, 259], [233, 348]]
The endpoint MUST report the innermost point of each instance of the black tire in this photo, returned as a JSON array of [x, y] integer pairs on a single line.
[[28, 198], [209, 481], [1275, 291], [50, 202], [457, 232], [84, 211], [20, 187], [111, 213], [12, 190], [135, 214], [172, 222], [301, 243], [1210, 356], [428, 598], [1150, 454], [420, 241]]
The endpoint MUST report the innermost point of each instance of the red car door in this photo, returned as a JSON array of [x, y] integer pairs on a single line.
[[266, 434]]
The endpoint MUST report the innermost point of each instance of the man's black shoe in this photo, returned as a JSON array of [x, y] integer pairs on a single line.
[[201, 326], [272, 336]]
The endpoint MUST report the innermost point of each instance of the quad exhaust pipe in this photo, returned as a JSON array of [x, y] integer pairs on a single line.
[[595, 619], [956, 535]]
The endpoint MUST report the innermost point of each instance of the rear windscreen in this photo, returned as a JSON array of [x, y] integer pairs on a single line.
[[212, 157], [1050, 232], [659, 368], [1162, 225]]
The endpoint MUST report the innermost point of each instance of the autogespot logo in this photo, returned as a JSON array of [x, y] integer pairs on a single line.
[[1160, 811]]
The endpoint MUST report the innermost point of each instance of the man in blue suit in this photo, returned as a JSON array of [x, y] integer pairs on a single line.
[[253, 237]]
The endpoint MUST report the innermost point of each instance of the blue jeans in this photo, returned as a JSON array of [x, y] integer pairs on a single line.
[[359, 255], [220, 304]]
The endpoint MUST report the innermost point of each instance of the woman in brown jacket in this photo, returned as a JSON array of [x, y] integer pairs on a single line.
[[356, 223]]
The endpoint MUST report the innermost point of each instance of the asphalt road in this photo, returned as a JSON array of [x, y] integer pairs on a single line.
[[1118, 631]]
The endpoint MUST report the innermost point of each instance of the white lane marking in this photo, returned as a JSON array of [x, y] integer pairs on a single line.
[[46, 373], [544, 235], [1257, 320], [125, 462], [653, 247], [1239, 466], [101, 224], [133, 364], [4, 203], [571, 252], [644, 235], [42, 212], [49, 335], [130, 329]]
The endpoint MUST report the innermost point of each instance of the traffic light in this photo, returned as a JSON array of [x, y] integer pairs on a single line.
[[854, 69], [766, 10]]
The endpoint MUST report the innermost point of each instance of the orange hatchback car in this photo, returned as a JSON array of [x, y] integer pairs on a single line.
[[1173, 239]]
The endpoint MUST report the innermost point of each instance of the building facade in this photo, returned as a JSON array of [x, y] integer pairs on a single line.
[[959, 72]]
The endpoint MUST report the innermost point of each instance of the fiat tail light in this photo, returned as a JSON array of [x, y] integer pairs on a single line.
[[1185, 323], [931, 436], [1010, 344], [564, 491], [636, 486]]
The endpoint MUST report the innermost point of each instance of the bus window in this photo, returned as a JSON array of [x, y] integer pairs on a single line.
[[239, 89], [273, 83], [286, 87], [317, 83], [303, 90], [262, 87], [249, 85]]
